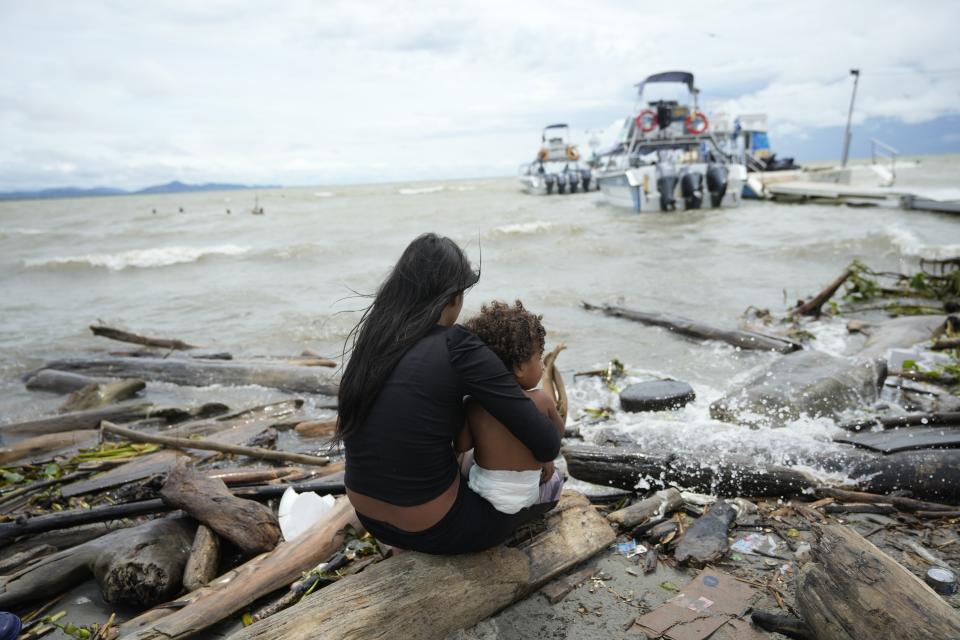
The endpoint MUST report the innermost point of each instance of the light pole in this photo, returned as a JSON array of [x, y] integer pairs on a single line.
[[846, 136]]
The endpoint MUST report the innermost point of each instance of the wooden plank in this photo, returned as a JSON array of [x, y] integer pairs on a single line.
[[417, 596]]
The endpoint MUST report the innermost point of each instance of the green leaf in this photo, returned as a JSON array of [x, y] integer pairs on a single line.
[[910, 365], [669, 586], [12, 476]]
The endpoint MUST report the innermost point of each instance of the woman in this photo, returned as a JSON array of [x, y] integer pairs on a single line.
[[401, 406]]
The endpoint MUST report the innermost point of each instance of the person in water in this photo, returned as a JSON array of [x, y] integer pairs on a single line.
[[504, 471], [401, 405]]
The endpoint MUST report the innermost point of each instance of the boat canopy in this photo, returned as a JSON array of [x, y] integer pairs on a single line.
[[669, 76], [559, 125]]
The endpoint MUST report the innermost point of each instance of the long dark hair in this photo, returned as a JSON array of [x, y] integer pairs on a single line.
[[408, 303]]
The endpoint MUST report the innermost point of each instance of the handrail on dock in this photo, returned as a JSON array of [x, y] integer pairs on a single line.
[[885, 153]]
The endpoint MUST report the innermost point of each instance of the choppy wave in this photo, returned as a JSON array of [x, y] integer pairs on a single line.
[[323, 194], [139, 258], [910, 245], [410, 191]]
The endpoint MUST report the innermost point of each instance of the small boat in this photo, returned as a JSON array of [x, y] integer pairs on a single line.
[[750, 139], [667, 157], [257, 209], [557, 167]]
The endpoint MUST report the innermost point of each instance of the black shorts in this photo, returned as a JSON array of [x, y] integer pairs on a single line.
[[472, 524]]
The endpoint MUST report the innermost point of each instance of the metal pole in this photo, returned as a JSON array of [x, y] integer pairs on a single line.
[[846, 136]]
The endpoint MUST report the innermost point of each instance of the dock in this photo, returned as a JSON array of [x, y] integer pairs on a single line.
[[942, 200]]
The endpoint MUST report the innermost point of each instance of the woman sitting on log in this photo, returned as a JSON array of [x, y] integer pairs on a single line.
[[401, 405]]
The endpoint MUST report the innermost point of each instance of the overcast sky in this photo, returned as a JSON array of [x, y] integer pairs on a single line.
[[129, 94]]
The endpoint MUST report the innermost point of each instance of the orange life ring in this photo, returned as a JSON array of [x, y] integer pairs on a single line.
[[542, 154], [692, 121], [573, 154], [647, 120]]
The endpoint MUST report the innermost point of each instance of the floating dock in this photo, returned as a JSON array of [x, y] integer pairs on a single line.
[[943, 200]]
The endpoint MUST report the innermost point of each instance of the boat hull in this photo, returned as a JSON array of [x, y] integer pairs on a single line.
[[636, 188]]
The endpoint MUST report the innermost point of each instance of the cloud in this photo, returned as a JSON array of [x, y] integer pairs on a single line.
[[305, 92]]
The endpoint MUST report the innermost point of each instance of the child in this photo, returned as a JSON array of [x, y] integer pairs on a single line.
[[506, 474]]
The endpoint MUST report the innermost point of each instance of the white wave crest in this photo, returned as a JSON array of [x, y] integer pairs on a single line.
[[413, 192], [140, 258], [323, 194], [909, 244], [524, 227]]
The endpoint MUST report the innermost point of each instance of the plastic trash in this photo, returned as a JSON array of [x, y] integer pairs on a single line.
[[300, 511], [754, 543], [10, 626]]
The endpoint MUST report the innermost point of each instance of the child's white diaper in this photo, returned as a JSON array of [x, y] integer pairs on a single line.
[[507, 491]]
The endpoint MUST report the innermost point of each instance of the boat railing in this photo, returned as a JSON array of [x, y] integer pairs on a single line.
[[884, 160]]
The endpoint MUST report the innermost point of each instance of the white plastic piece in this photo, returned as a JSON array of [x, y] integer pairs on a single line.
[[300, 511]]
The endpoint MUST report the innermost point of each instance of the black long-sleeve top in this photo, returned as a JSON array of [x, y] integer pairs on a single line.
[[402, 453]]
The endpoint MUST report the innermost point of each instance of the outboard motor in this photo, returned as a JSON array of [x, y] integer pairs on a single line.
[[666, 185], [585, 179], [691, 186], [551, 180], [561, 183], [716, 184], [573, 180]]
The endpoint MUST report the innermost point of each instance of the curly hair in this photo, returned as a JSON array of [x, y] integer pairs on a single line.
[[511, 332]]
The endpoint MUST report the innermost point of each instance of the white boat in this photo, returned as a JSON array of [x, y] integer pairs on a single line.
[[668, 158], [557, 168]]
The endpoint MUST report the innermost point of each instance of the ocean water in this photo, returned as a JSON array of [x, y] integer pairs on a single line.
[[289, 280]]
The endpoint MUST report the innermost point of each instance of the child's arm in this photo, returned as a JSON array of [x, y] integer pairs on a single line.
[[546, 405]]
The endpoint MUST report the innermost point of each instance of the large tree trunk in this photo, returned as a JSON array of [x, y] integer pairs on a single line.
[[141, 566], [191, 614], [734, 476], [417, 596], [853, 591], [693, 329], [251, 526], [199, 373], [930, 474]]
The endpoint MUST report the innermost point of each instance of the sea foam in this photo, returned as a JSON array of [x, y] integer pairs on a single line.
[[139, 258]]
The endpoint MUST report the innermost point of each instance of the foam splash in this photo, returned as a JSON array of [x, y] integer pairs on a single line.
[[910, 245], [140, 258], [420, 190], [524, 227]]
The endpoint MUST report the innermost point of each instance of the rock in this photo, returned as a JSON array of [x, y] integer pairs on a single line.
[[810, 383], [656, 395], [899, 332]]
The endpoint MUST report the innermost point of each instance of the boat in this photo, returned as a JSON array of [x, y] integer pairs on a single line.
[[667, 157], [557, 168], [257, 210], [751, 140]]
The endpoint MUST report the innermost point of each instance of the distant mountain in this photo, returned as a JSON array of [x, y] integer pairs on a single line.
[[170, 187]]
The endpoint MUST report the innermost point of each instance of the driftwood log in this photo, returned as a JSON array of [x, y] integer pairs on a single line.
[[141, 566], [316, 428], [47, 444], [77, 517], [202, 373], [200, 609], [705, 542], [133, 338], [852, 590], [733, 476], [251, 526], [230, 429], [102, 394], [901, 332], [78, 420], [693, 329], [204, 558], [658, 505], [417, 596], [813, 306], [208, 445], [59, 381]]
